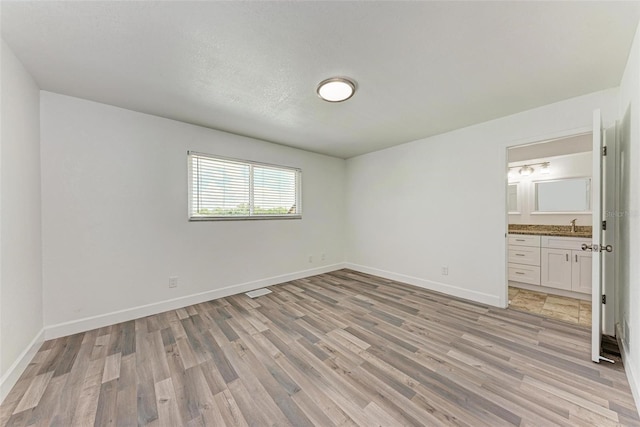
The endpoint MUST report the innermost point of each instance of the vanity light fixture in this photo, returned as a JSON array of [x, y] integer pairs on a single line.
[[336, 89], [526, 170], [545, 170]]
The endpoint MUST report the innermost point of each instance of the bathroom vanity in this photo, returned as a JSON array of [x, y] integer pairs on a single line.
[[550, 259]]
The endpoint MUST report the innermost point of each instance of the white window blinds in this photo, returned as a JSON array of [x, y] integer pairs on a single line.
[[222, 188]]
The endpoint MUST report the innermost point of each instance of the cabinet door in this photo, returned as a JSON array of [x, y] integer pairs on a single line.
[[581, 271], [556, 268]]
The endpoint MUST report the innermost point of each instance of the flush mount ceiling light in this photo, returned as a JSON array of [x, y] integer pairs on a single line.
[[336, 89]]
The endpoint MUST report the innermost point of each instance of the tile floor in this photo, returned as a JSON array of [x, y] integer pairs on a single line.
[[554, 306]]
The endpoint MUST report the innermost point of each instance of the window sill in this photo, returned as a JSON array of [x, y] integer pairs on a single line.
[[242, 218]]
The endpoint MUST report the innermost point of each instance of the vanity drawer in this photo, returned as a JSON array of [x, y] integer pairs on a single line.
[[524, 240], [524, 255], [524, 273], [557, 242]]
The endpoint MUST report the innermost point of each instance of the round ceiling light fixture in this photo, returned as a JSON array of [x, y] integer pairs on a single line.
[[336, 89]]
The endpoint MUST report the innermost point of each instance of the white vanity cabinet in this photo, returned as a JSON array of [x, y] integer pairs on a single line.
[[524, 258], [564, 265], [550, 261]]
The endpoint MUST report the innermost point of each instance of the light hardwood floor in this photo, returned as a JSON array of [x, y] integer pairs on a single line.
[[342, 348]]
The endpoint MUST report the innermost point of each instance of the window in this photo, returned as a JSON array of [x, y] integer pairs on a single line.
[[222, 188]]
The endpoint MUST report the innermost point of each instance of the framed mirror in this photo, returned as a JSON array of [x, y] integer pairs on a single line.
[[563, 195]]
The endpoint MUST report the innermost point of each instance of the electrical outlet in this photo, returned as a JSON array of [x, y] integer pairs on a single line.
[[445, 270], [173, 281], [323, 256], [310, 258]]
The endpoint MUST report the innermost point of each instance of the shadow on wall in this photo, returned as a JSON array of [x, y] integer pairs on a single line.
[[624, 224]]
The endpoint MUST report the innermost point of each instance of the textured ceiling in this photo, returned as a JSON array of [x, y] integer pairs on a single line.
[[251, 68]]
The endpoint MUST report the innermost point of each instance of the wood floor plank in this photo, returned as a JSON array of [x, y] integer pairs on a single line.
[[33, 369], [66, 360], [76, 376], [381, 417], [229, 410], [244, 401], [308, 380], [599, 408], [276, 382], [261, 400], [101, 345], [126, 399], [200, 399], [34, 393], [389, 397], [111, 367], [178, 378], [41, 414], [337, 349], [145, 390], [106, 410], [85, 413]]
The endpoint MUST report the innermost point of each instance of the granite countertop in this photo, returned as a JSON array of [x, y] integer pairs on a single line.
[[550, 230]]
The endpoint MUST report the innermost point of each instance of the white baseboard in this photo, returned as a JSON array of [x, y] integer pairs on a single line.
[[102, 320], [480, 297], [10, 378], [632, 376]]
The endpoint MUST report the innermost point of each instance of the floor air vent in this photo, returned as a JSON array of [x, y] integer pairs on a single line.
[[258, 293]]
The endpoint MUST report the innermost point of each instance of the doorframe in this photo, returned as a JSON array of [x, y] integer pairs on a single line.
[[611, 202], [519, 143]]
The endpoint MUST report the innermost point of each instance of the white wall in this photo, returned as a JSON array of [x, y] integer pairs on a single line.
[[20, 248], [440, 201], [115, 228], [577, 165], [628, 246]]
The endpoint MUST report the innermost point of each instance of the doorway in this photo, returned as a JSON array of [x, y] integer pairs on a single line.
[[549, 219]]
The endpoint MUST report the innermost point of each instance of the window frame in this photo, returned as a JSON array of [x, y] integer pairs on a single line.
[[251, 164]]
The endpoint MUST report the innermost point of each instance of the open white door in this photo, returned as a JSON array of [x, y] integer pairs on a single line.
[[596, 245]]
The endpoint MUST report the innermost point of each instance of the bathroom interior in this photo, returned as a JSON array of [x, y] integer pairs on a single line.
[[549, 211]]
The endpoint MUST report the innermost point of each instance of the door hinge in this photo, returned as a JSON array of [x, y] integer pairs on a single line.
[[604, 299], [604, 225], [604, 150]]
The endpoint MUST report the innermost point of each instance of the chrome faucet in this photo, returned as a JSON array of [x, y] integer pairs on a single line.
[[573, 225]]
